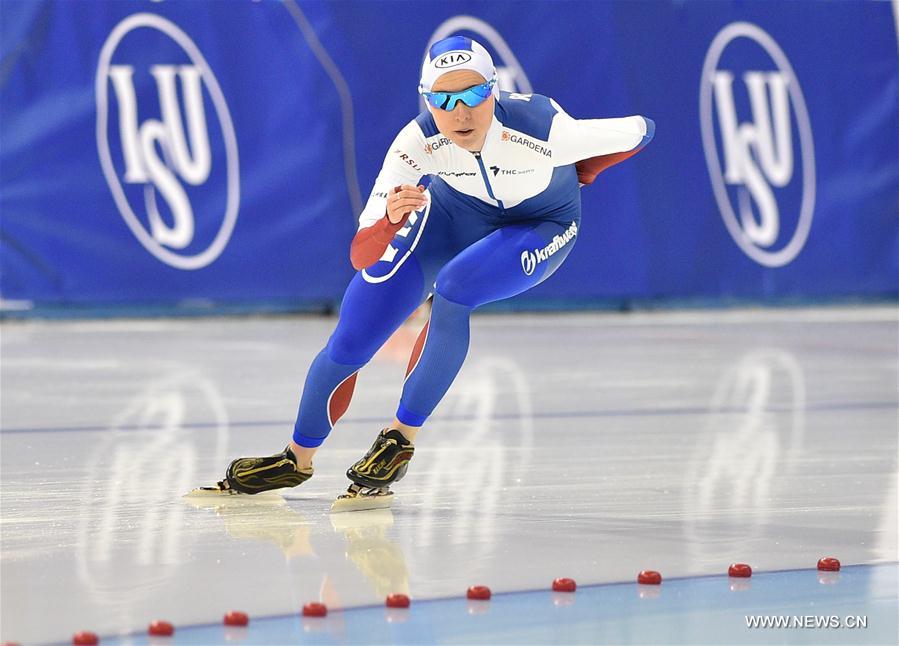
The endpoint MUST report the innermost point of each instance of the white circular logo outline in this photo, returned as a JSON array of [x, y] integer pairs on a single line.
[[807, 206], [232, 204]]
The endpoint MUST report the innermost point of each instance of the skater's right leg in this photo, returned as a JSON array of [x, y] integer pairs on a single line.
[[376, 302], [370, 313]]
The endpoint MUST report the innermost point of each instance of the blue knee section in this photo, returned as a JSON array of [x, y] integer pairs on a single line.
[[325, 375], [441, 358], [370, 312], [507, 262]]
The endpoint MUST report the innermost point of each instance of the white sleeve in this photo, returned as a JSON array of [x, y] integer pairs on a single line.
[[404, 164], [575, 139]]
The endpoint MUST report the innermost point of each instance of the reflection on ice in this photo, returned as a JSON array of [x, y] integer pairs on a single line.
[[751, 437], [127, 514], [371, 549], [471, 463]]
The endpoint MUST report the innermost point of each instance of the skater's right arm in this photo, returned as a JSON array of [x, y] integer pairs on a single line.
[[370, 243], [395, 195]]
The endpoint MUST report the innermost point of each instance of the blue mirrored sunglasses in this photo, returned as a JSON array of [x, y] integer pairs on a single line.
[[472, 97]]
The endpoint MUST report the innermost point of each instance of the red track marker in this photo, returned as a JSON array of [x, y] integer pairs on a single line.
[[739, 570], [315, 610], [829, 564], [160, 628], [397, 601], [564, 585], [649, 577], [479, 593], [85, 638], [236, 618]]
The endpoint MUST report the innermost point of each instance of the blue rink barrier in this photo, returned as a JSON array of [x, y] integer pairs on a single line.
[[215, 156]]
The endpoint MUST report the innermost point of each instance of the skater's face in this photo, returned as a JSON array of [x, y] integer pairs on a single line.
[[464, 126]]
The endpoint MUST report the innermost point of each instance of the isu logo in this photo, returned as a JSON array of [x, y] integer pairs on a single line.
[[170, 157], [757, 118], [509, 74]]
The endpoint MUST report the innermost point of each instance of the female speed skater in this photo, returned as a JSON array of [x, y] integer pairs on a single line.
[[501, 214]]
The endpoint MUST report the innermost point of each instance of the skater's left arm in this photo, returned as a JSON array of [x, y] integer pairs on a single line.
[[594, 145]]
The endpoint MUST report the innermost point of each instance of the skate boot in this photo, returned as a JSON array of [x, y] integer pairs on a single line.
[[385, 463], [258, 475]]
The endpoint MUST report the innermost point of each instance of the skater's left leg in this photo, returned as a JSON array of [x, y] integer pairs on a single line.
[[505, 263]]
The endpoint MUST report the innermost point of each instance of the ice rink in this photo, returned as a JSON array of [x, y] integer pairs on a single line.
[[590, 446]]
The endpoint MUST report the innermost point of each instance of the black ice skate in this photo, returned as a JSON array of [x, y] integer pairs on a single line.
[[258, 475], [385, 463]]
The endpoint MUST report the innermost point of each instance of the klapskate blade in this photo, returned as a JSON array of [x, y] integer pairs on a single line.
[[215, 492], [208, 492], [361, 503]]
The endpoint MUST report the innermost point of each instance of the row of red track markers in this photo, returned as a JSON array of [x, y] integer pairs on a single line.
[[162, 628]]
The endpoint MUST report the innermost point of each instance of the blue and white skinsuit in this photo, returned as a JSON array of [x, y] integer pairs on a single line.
[[497, 223]]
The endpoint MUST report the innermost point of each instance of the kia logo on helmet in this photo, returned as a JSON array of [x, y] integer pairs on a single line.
[[753, 113], [452, 59], [510, 76]]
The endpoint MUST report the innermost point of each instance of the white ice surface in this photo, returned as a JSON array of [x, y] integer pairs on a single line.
[[590, 446]]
